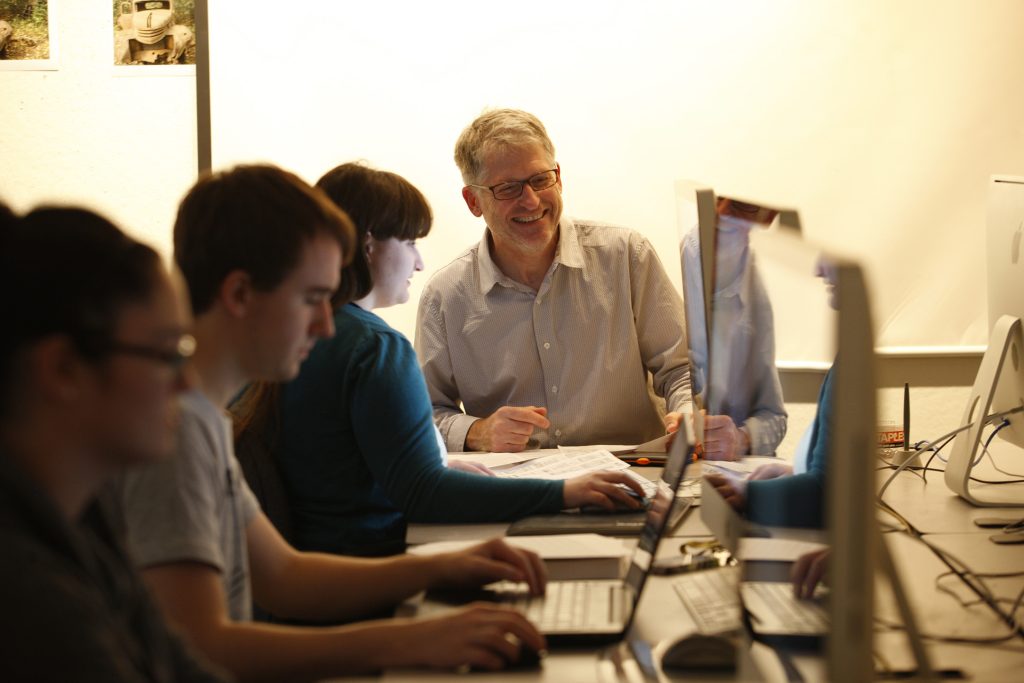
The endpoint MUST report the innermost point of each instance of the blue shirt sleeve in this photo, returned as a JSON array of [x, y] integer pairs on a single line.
[[392, 418], [798, 500]]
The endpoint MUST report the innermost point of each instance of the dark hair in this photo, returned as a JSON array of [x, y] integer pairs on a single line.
[[66, 271], [251, 218], [381, 204]]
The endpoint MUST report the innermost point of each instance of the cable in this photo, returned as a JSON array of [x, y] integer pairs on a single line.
[[978, 585], [984, 449], [919, 451], [950, 638]]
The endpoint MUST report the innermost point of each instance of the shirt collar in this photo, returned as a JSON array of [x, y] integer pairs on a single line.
[[569, 253]]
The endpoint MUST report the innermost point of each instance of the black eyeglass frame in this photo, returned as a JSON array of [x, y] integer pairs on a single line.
[[521, 184], [176, 359]]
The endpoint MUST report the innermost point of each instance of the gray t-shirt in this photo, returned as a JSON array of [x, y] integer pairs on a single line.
[[194, 506]]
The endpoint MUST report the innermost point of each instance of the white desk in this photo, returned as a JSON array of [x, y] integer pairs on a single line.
[[661, 617]]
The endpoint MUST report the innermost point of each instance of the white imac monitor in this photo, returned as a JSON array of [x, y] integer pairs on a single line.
[[996, 403], [835, 305]]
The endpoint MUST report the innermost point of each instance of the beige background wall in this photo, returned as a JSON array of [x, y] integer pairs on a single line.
[[879, 120]]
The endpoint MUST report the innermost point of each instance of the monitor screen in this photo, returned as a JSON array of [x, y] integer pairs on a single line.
[[995, 406]]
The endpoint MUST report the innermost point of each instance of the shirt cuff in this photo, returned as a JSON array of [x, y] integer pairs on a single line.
[[458, 428]]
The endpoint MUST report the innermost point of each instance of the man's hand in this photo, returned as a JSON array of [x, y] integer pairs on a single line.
[[471, 467], [481, 636], [771, 471], [602, 489], [493, 560], [807, 571], [507, 429], [723, 440], [672, 422], [734, 491]]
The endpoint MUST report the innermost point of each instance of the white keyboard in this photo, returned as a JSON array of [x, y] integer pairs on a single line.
[[775, 609], [568, 606], [712, 597]]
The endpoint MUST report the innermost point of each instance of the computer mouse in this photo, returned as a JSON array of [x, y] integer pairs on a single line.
[[528, 659], [619, 507], [700, 652]]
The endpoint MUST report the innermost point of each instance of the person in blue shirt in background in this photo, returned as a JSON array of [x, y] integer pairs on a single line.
[[774, 495], [355, 441]]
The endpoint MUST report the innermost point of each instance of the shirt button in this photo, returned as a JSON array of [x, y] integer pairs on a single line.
[[558, 432], [554, 390], [547, 345]]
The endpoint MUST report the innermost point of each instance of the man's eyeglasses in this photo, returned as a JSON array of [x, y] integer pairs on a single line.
[[512, 189], [175, 359]]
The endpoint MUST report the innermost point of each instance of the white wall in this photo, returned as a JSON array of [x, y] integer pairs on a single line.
[[881, 121], [119, 140]]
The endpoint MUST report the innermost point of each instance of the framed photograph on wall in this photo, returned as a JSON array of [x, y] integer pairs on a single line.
[[154, 35], [28, 40]]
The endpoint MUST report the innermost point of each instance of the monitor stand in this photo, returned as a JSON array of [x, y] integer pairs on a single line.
[[1002, 362]]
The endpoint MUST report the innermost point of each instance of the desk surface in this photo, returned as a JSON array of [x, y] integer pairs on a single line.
[[936, 598], [933, 509]]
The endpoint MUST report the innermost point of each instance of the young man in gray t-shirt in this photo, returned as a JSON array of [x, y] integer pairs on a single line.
[[262, 253]]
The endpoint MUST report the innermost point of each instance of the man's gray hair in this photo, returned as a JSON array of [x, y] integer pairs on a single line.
[[497, 129]]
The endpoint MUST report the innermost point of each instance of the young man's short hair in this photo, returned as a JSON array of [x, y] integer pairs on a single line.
[[256, 219]]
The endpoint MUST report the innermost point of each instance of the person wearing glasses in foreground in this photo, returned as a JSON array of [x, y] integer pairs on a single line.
[[549, 330], [262, 253], [90, 366], [353, 434]]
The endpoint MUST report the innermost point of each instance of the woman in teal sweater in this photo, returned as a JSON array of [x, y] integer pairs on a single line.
[[357, 448]]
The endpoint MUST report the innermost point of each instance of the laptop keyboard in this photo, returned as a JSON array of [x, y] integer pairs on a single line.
[[711, 598], [776, 609], [568, 606]]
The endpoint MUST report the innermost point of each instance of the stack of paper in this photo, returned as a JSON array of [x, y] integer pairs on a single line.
[[566, 556]]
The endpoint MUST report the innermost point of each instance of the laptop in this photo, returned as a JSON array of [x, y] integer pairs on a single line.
[[773, 613], [613, 523], [589, 611]]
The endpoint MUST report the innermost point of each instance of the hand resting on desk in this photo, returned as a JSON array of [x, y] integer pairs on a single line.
[[507, 429], [734, 488]]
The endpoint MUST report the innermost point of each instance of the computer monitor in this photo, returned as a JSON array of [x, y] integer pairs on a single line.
[[996, 403], [848, 509]]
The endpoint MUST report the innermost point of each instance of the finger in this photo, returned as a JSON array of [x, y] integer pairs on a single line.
[[716, 480], [527, 634], [621, 498], [517, 559], [480, 657], [798, 574], [540, 570], [499, 638], [623, 478], [528, 415], [816, 574]]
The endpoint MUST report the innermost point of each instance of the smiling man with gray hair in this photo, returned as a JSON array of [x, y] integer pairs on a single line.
[[551, 331]]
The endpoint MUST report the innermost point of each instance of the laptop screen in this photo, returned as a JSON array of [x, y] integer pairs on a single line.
[[679, 455]]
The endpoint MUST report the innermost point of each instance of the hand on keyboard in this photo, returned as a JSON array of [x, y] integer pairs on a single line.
[[604, 489]]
